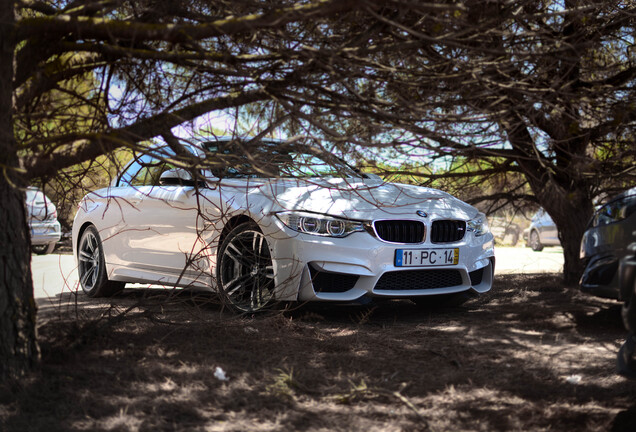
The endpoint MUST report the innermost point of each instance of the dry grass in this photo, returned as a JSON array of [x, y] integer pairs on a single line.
[[530, 355]]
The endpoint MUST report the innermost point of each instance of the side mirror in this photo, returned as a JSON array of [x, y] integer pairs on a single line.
[[176, 177]]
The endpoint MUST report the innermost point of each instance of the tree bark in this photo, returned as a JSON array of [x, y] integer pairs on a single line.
[[571, 213], [564, 196], [19, 351]]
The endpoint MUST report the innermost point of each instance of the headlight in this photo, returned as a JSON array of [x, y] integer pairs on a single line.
[[479, 225], [320, 225]]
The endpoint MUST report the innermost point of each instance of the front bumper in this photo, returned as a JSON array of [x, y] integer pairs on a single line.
[[346, 269], [600, 277]]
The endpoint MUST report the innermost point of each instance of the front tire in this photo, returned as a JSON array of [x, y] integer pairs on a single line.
[[245, 273], [535, 242], [92, 266]]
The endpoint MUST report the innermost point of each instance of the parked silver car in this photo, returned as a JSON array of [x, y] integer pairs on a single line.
[[45, 228], [605, 243], [542, 232]]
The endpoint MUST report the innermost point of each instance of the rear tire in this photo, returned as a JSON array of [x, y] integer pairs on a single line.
[[92, 267], [535, 242], [44, 249]]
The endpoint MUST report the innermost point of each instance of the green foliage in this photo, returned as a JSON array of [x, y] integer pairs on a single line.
[[71, 184], [283, 385]]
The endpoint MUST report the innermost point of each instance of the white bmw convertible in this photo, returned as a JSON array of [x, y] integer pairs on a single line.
[[277, 222]]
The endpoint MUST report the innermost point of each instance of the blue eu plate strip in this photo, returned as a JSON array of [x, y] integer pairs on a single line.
[[398, 257]]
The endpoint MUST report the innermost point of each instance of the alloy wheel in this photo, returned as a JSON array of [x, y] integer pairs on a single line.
[[92, 267], [246, 273], [89, 261]]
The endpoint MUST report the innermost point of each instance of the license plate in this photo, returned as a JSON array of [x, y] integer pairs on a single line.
[[426, 257]]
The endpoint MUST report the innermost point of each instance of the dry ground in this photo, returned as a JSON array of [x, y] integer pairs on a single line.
[[530, 355]]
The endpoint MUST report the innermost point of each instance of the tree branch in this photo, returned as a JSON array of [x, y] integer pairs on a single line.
[[106, 29], [93, 145]]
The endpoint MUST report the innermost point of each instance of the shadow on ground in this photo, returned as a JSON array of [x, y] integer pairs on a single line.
[[530, 355]]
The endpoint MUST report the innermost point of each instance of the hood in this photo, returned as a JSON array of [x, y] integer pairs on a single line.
[[363, 199]]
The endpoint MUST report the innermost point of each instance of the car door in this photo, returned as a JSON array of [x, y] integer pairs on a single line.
[[159, 236], [549, 232], [171, 214]]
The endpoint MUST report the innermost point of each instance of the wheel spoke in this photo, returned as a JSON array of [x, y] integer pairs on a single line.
[[257, 243], [238, 280], [255, 298], [261, 292], [237, 256], [88, 273], [88, 244], [86, 257]]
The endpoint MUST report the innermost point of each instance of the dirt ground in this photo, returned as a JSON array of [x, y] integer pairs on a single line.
[[530, 355]]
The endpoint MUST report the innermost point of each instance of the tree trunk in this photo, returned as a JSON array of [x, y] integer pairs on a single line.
[[18, 345], [571, 228], [571, 211], [566, 197]]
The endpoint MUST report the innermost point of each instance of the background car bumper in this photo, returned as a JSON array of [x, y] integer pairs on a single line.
[[45, 233]]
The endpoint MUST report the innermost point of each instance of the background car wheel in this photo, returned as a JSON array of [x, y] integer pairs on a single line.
[[535, 243], [245, 274], [92, 268], [43, 249]]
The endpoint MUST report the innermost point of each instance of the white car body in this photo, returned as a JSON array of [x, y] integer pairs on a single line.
[[170, 235]]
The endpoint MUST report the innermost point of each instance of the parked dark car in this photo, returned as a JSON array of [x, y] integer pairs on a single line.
[[542, 232], [45, 228], [626, 364], [605, 243]]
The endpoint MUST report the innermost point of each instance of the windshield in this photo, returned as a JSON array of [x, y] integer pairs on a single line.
[[273, 159]]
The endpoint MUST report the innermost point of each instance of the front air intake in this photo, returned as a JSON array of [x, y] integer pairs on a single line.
[[418, 280], [327, 282]]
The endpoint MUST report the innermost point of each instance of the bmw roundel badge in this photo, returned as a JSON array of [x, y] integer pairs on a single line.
[[422, 213]]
